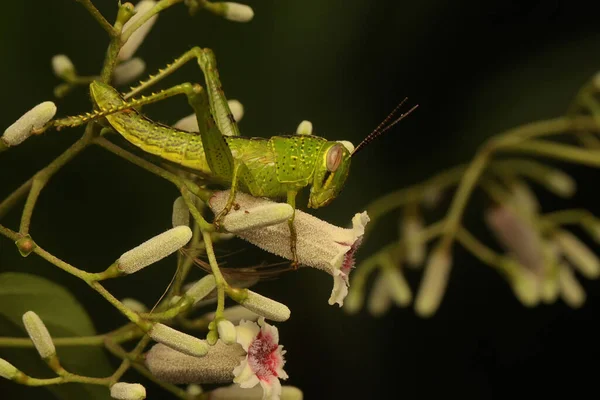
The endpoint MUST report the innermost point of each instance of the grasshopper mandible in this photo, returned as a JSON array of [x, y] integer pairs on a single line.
[[278, 167]]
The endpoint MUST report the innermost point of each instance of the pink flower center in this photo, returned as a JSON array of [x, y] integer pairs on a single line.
[[349, 261], [263, 357]]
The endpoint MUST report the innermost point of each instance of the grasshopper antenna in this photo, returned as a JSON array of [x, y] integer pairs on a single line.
[[381, 128]]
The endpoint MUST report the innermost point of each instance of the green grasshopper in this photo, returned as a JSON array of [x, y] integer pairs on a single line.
[[278, 167]]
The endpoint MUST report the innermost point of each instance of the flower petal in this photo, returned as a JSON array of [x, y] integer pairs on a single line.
[[244, 375], [246, 332], [271, 389]]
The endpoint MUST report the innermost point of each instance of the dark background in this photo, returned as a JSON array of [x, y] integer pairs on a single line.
[[475, 68]]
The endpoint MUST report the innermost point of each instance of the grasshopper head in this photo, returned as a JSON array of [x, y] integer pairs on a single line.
[[330, 173]]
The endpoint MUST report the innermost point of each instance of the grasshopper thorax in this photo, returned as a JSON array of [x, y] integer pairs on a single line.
[[331, 170]]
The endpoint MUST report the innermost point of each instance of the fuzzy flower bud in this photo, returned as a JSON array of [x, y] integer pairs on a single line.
[[305, 128], [8, 371], [412, 226], [193, 390], [177, 340], [235, 314], [226, 331], [257, 216], [201, 288], [39, 335], [561, 183], [235, 392], [266, 307], [379, 301], [128, 71], [33, 119], [319, 244], [580, 256], [434, 282], [570, 290], [154, 249], [175, 367], [134, 305], [127, 391], [232, 11], [181, 213], [190, 122], [137, 37], [354, 301], [62, 66]]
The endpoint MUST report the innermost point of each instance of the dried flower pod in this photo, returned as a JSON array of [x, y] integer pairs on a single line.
[[127, 391], [175, 367], [33, 119], [39, 335], [177, 340], [154, 249]]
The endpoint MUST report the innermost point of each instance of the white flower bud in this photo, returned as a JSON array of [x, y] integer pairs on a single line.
[[127, 391], [201, 288], [193, 390], [39, 335], [154, 249], [524, 199], [62, 66], [260, 216], [22, 128], [354, 301], [188, 124], [238, 12], [7, 370], [175, 367], [227, 332], [596, 81], [177, 340], [305, 128], [134, 305], [580, 256], [237, 109], [128, 71], [379, 301], [137, 37], [434, 282], [266, 307], [348, 145], [181, 213], [571, 291], [398, 288], [235, 392], [235, 314], [592, 227], [411, 228], [526, 287]]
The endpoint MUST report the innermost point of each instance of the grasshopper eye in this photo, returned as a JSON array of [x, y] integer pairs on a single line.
[[334, 157]]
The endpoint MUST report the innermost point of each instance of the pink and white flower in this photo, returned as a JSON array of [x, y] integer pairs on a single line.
[[264, 360]]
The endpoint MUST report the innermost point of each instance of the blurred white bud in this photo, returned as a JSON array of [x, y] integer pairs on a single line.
[[137, 38], [561, 183], [127, 391], [570, 289], [578, 254], [39, 335], [193, 390], [238, 12], [154, 249], [62, 66], [434, 281], [181, 213], [237, 109], [235, 392], [134, 305], [411, 229], [304, 128], [188, 124], [7, 370], [227, 332], [128, 71], [33, 119], [379, 300]]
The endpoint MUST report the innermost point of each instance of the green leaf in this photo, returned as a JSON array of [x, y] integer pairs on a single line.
[[63, 316]]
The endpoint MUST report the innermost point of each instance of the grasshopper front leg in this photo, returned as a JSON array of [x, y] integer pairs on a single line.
[[291, 200]]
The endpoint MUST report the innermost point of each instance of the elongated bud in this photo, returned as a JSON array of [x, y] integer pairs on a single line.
[[524, 199], [434, 282], [580, 256], [128, 71], [561, 183], [62, 66], [235, 392], [202, 288], [398, 288], [270, 309], [235, 314], [181, 213], [570, 289], [175, 367], [257, 217], [8, 371], [154, 249], [179, 341], [232, 11], [188, 124], [412, 226], [379, 301], [305, 128], [39, 335], [237, 109], [193, 390], [525, 285], [227, 332], [354, 301], [33, 119], [127, 391], [134, 305], [137, 38], [591, 225]]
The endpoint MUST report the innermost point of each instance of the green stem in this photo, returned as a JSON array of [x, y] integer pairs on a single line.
[[160, 6], [132, 316], [98, 17], [222, 285], [14, 197], [478, 249], [573, 154]]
